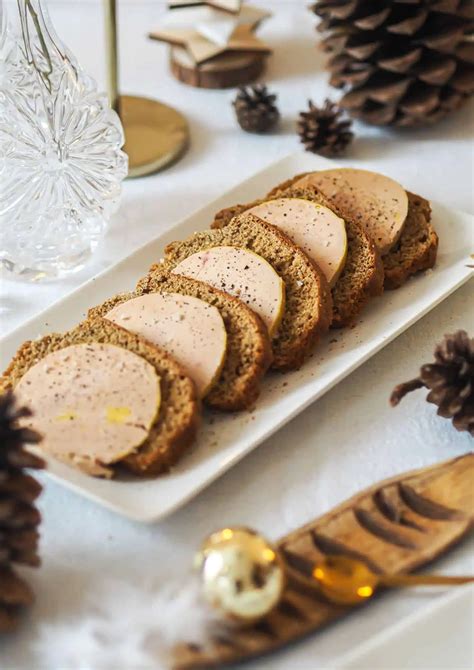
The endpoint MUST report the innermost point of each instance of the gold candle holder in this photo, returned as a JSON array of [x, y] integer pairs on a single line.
[[156, 135]]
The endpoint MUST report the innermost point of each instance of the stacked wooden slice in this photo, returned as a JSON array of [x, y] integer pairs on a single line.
[[214, 46], [256, 290], [227, 70]]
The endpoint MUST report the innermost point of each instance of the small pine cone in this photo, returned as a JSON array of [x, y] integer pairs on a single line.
[[322, 131], [19, 517], [450, 380], [255, 109]]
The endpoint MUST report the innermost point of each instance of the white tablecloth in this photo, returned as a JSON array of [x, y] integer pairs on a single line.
[[346, 441]]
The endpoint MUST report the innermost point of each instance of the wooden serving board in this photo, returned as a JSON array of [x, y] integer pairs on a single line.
[[396, 526]]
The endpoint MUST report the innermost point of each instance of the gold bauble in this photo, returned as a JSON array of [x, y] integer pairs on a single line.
[[242, 573]]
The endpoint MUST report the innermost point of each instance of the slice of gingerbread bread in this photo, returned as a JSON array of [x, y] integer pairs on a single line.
[[363, 274], [308, 304], [249, 352], [417, 247], [175, 427]]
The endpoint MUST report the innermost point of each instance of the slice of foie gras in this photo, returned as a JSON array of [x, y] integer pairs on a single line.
[[94, 404], [373, 200], [243, 274], [318, 231], [189, 329]]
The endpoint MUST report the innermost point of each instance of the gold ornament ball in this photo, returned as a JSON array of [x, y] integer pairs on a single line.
[[242, 573]]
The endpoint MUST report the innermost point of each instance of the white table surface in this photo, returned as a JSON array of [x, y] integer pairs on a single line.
[[348, 440]]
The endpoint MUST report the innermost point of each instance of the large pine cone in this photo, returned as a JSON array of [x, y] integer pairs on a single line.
[[19, 517], [400, 62], [450, 380]]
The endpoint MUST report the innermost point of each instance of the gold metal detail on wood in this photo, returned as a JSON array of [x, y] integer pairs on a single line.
[[394, 527]]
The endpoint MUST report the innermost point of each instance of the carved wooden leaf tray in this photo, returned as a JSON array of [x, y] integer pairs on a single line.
[[396, 526]]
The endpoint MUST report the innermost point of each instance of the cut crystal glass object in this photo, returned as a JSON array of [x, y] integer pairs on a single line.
[[61, 162]]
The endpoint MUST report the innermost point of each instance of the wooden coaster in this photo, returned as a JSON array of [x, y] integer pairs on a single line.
[[396, 526], [225, 71]]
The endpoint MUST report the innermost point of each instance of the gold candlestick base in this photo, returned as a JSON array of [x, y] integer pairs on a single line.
[[155, 134]]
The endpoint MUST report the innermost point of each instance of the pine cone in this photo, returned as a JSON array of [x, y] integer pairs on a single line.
[[450, 380], [400, 62], [19, 517], [255, 109], [322, 131]]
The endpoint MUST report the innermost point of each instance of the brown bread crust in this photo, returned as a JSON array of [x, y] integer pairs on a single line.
[[285, 185], [248, 354], [175, 428], [417, 247], [308, 306], [361, 279], [363, 273]]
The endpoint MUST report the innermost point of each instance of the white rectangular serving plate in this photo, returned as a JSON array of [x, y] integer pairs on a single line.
[[225, 440]]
